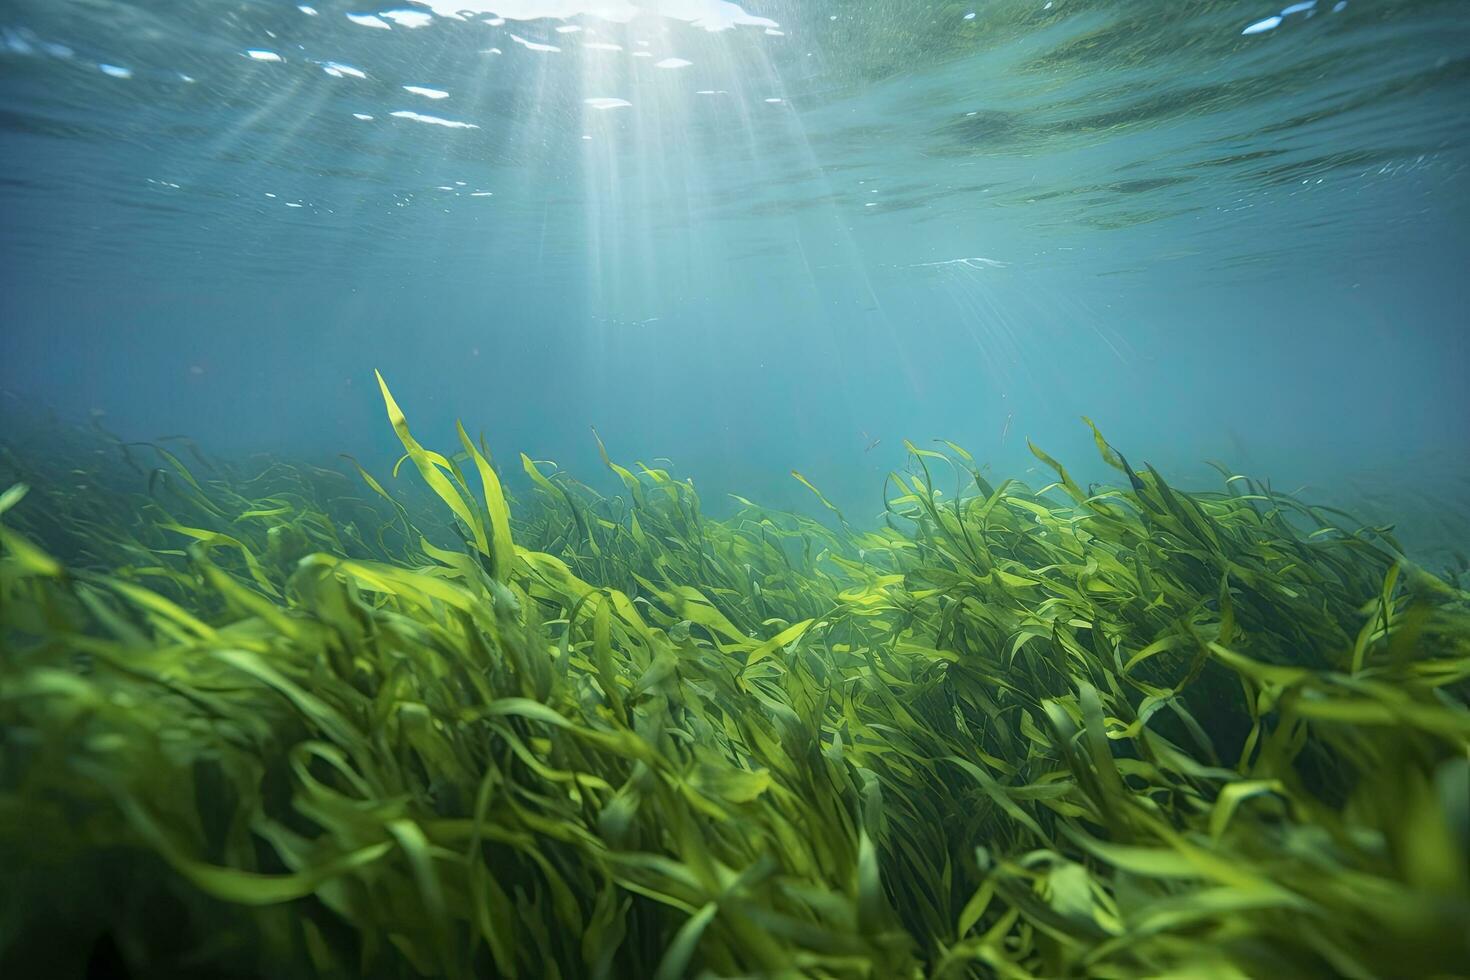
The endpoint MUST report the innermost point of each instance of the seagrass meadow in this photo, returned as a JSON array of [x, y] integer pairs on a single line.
[[275, 720], [472, 503]]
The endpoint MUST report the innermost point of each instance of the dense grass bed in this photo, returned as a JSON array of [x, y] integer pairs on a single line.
[[273, 723]]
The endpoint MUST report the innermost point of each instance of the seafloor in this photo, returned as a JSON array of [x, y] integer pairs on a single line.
[[275, 721]]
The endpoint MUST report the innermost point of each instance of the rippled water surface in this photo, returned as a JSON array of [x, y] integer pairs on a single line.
[[749, 237]]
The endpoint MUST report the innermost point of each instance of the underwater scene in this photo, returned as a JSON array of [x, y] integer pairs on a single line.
[[669, 489]]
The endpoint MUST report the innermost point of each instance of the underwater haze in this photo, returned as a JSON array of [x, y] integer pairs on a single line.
[[848, 489], [749, 240]]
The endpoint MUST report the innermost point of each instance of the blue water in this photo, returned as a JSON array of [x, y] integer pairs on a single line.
[[788, 235]]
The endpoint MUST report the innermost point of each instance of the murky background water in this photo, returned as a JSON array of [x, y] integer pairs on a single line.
[[754, 238]]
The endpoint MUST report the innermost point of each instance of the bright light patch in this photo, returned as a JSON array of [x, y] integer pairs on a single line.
[[712, 15], [607, 103], [533, 45], [370, 20], [1262, 26], [673, 63], [363, 116], [338, 70], [432, 120], [115, 71], [428, 93], [409, 18]]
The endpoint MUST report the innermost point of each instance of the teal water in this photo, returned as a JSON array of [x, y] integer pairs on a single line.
[[754, 238]]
